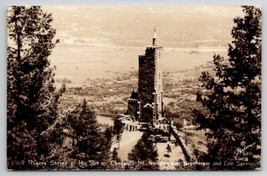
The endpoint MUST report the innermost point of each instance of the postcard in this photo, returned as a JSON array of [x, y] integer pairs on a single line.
[[136, 88]]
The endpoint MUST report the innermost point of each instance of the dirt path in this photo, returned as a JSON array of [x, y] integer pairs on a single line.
[[169, 163], [129, 139]]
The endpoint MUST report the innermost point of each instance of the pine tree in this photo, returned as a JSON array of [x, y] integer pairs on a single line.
[[118, 129], [233, 99], [144, 154], [115, 155], [21, 148], [32, 99], [92, 146]]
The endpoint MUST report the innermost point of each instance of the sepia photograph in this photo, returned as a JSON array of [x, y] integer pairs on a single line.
[[134, 88]]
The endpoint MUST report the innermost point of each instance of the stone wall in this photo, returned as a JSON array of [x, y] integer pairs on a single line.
[[146, 80], [133, 107]]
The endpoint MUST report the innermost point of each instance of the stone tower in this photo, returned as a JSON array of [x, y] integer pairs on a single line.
[[150, 91], [133, 105]]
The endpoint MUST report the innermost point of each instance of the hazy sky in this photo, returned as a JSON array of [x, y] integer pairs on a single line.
[[177, 26]]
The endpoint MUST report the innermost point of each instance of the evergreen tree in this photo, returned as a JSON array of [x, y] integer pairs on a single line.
[[108, 135], [31, 97], [118, 129], [144, 154], [21, 148], [115, 159], [115, 156], [92, 145], [233, 99]]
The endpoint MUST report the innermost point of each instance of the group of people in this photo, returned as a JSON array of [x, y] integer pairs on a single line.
[[129, 127]]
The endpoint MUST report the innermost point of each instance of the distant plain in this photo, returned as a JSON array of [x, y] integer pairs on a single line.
[[96, 41]]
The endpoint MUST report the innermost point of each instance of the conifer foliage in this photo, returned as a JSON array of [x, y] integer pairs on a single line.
[[92, 146], [32, 100], [233, 99], [118, 129], [144, 154]]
